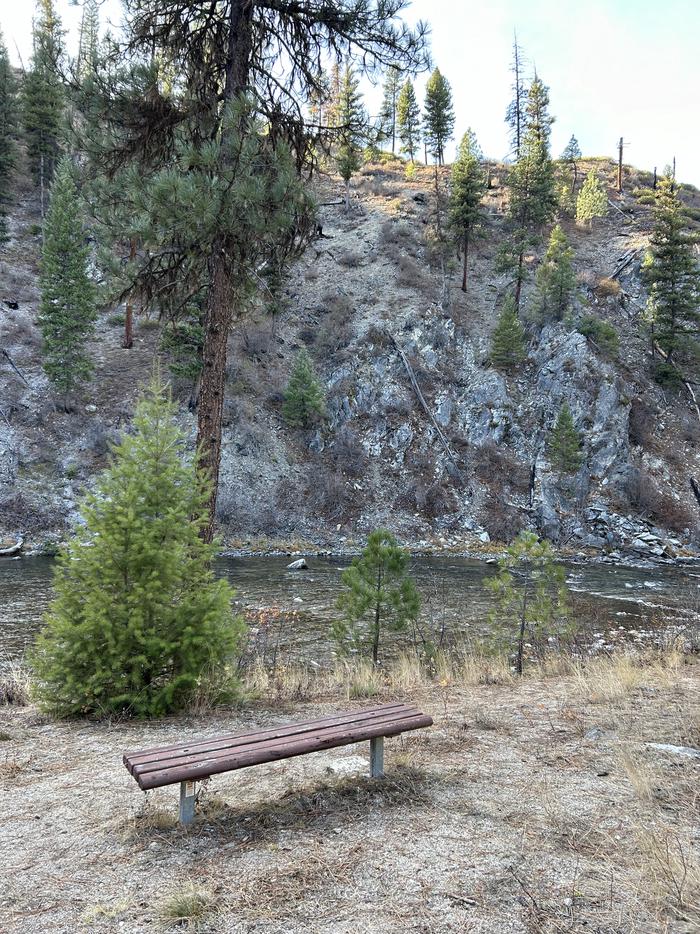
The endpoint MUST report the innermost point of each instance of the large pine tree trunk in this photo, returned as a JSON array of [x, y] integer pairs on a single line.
[[219, 305], [217, 326]]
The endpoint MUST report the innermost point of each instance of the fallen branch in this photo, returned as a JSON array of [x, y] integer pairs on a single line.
[[624, 262], [424, 404], [664, 356], [14, 367]]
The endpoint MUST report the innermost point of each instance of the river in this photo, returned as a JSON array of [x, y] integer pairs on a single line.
[[610, 602]]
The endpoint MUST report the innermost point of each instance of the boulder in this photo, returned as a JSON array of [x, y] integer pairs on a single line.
[[298, 565]]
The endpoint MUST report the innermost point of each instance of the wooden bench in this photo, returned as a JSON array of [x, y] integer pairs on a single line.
[[193, 761]]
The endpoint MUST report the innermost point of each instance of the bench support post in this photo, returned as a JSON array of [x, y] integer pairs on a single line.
[[187, 801], [376, 757]]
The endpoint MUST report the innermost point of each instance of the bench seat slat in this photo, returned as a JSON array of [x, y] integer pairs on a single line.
[[203, 747], [234, 751], [283, 748]]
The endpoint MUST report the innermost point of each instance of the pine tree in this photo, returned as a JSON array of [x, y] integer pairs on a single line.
[[468, 187], [88, 48], [8, 135], [592, 200], [320, 102], [533, 198], [352, 126], [387, 112], [672, 275], [138, 620], [565, 443], [570, 157], [408, 120], [43, 97], [67, 311], [515, 115], [378, 586], [531, 597], [304, 402], [556, 279], [211, 171], [439, 119], [508, 338]]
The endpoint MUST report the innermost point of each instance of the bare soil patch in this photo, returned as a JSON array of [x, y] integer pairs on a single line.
[[533, 807]]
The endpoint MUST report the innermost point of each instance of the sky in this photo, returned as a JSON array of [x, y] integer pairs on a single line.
[[615, 68]]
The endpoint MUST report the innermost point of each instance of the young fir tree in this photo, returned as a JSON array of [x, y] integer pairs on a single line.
[[564, 444], [439, 118], [387, 112], [408, 120], [8, 135], [468, 187], [352, 126], [672, 275], [556, 279], [380, 594], [139, 619], [67, 311], [508, 338], [43, 97], [592, 200], [304, 402], [210, 172], [532, 186], [515, 114], [531, 597]]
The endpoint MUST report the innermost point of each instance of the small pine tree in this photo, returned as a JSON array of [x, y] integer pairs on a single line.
[[439, 120], [304, 401], [8, 135], [531, 596], [387, 112], [570, 157], [565, 443], [468, 187], [67, 311], [408, 120], [672, 275], [138, 619], [43, 96], [508, 338], [556, 278], [352, 123], [377, 585], [592, 200]]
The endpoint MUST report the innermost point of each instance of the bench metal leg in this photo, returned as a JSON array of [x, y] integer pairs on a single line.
[[187, 800], [376, 757]]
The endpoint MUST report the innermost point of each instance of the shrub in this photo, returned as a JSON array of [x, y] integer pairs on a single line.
[[641, 423], [667, 376], [607, 288], [138, 617], [600, 331], [349, 455], [502, 521], [496, 466]]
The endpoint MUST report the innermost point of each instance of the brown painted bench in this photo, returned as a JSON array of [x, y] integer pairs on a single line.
[[193, 761]]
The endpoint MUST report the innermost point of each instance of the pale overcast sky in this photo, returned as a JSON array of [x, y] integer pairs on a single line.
[[614, 67]]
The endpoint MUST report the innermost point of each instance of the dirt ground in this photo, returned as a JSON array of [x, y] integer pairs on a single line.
[[532, 807]]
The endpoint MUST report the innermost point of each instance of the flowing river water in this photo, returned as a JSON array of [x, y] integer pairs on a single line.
[[610, 603]]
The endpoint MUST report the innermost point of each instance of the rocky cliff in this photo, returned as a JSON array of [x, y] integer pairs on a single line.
[[421, 434]]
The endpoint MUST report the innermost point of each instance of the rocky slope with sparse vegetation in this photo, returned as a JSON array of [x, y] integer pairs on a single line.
[[468, 467]]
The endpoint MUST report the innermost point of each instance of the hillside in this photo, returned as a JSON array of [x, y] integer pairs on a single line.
[[360, 292]]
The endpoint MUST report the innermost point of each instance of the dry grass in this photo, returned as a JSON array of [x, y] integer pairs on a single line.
[[189, 907], [15, 685]]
